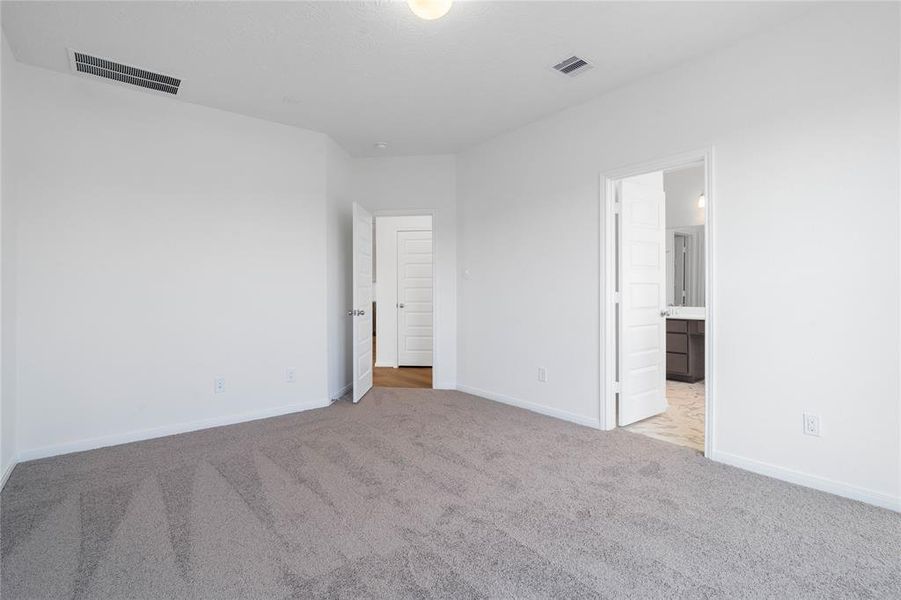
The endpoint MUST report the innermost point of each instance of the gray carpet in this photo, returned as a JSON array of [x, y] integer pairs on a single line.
[[420, 494]]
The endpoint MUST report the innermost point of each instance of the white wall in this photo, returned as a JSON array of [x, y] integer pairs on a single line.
[[7, 298], [386, 229], [339, 255], [405, 185], [805, 125], [683, 187], [232, 258], [160, 245]]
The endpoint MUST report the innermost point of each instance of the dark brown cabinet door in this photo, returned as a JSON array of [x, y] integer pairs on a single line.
[[684, 350]]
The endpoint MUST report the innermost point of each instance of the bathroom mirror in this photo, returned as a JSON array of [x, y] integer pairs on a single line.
[[685, 266], [685, 252]]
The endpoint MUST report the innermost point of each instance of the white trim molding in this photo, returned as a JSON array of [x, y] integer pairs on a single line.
[[811, 481], [344, 390], [166, 430], [531, 406], [7, 472]]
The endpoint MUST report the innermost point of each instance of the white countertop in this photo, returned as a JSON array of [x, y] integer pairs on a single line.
[[694, 313]]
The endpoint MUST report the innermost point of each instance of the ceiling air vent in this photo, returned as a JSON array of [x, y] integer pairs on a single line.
[[573, 66], [91, 65]]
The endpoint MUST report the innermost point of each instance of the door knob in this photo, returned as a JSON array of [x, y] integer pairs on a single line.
[[400, 305], [351, 313], [361, 312]]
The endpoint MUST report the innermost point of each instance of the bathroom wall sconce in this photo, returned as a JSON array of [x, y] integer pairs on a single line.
[[702, 201]]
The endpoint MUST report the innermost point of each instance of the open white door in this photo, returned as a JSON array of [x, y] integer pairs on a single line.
[[414, 298], [642, 335], [362, 310]]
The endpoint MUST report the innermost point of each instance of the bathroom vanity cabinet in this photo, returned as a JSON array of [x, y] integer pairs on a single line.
[[685, 349]]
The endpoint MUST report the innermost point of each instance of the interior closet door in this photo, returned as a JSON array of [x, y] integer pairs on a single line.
[[414, 298]]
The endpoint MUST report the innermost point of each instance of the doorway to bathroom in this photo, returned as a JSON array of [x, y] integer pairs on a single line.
[[657, 371]]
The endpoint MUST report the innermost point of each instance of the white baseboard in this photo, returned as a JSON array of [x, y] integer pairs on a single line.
[[531, 406], [6, 473], [347, 388], [384, 365], [155, 432], [812, 481]]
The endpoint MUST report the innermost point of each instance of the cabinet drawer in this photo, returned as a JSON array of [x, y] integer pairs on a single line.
[[677, 342], [677, 363], [676, 326]]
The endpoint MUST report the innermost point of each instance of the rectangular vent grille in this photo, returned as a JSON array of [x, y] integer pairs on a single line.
[[100, 67], [572, 66]]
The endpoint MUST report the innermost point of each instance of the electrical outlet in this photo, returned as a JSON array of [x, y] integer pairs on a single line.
[[811, 424], [542, 374], [219, 385], [290, 375]]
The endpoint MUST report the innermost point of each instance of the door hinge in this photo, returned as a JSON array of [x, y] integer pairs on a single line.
[[617, 297], [617, 387], [617, 208]]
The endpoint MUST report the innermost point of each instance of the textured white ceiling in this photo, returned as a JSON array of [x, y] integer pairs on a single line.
[[371, 71]]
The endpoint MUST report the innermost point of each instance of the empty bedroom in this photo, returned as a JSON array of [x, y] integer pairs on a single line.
[[450, 299]]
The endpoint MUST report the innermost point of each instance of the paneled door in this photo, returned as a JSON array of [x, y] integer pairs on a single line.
[[414, 298], [642, 329], [362, 301]]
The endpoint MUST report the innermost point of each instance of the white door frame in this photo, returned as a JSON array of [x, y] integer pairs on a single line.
[[609, 252], [420, 212]]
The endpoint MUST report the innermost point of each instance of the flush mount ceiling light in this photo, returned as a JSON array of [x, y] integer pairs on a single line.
[[380, 145], [429, 9]]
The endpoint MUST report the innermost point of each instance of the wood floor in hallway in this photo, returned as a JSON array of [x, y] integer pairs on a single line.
[[400, 377]]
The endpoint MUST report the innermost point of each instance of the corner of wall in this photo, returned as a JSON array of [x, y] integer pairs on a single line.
[[6, 472], [339, 167], [898, 484], [7, 283]]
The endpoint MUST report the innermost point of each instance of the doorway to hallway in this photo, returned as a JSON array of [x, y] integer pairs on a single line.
[[396, 288], [403, 303]]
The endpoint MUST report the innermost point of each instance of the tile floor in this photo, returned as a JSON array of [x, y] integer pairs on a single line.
[[683, 422]]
